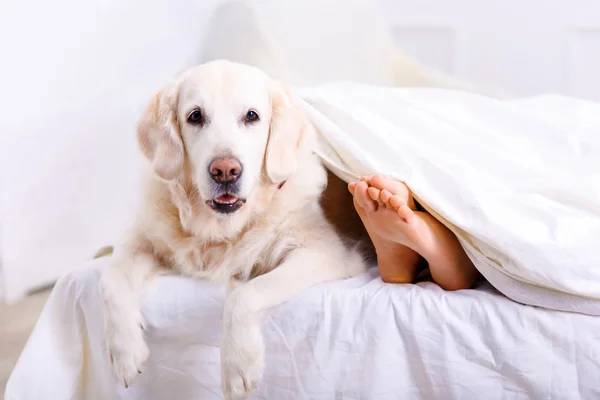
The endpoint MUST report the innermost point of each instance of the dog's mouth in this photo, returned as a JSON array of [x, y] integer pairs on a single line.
[[226, 203]]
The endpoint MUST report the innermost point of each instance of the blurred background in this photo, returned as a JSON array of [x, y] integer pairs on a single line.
[[528, 47], [75, 76]]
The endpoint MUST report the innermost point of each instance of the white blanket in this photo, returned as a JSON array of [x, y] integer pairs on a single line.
[[355, 339], [517, 181]]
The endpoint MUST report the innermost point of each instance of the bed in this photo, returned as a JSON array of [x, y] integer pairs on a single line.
[[353, 339]]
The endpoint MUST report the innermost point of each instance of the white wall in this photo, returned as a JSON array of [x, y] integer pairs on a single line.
[[525, 46]]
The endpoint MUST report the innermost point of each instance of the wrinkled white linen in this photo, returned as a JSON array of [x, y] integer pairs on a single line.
[[353, 339], [518, 181]]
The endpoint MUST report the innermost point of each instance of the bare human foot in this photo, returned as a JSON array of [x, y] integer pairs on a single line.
[[418, 231], [397, 263]]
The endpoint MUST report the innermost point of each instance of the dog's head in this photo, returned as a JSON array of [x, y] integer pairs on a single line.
[[228, 127]]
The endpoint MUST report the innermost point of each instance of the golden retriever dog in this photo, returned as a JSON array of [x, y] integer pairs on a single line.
[[232, 194]]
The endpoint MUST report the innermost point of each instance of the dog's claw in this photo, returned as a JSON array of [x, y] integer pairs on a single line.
[[129, 357]]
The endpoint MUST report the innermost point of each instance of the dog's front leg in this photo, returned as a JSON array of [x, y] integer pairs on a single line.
[[121, 285], [242, 347]]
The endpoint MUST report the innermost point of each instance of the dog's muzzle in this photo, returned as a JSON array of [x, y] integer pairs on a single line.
[[225, 173]]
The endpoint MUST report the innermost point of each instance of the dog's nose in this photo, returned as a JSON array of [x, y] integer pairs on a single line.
[[225, 170]]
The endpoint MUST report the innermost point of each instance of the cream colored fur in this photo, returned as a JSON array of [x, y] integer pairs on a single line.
[[278, 244]]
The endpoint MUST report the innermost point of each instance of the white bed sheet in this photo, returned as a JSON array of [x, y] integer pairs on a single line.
[[353, 339]]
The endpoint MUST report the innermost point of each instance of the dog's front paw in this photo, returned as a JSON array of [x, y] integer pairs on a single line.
[[242, 364], [127, 351]]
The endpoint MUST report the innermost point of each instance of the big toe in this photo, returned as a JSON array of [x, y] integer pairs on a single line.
[[362, 197]]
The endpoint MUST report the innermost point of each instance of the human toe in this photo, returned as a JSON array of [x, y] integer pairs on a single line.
[[352, 187], [374, 193], [385, 196], [405, 213], [363, 198]]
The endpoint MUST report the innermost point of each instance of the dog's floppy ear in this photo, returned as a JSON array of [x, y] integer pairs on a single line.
[[158, 134], [287, 133]]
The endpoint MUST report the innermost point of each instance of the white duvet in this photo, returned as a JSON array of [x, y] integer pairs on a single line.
[[518, 182]]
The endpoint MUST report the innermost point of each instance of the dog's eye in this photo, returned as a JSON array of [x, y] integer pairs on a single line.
[[196, 117], [251, 116]]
